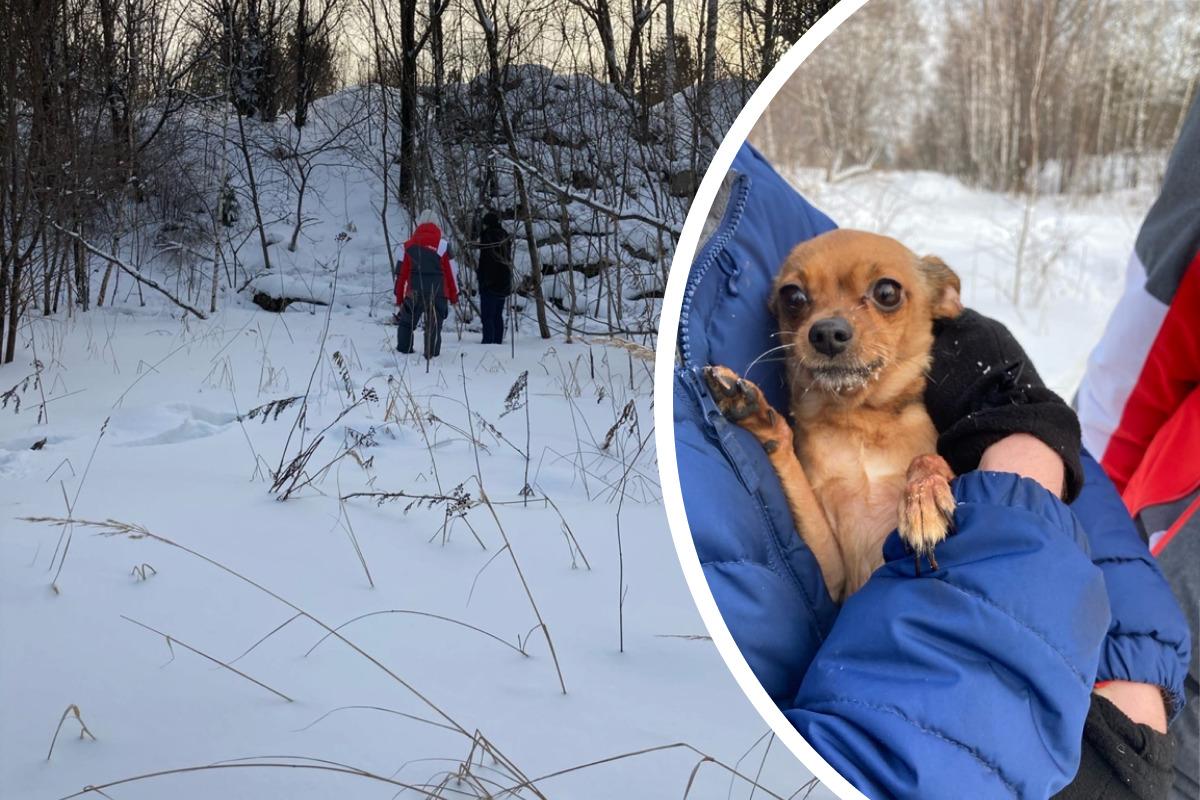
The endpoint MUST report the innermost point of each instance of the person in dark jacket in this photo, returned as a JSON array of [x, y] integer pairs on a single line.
[[495, 277], [425, 286], [974, 680]]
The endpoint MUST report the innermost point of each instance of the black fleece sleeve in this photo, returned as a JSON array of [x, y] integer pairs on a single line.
[[982, 387], [1121, 759]]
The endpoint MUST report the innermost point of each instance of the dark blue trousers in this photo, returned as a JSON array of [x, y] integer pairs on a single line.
[[491, 311], [435, 310]]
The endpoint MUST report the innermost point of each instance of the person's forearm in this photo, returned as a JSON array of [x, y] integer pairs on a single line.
[[1028, 457], [888, 699]]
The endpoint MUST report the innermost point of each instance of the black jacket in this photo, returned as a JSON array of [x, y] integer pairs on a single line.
[[495, 261]]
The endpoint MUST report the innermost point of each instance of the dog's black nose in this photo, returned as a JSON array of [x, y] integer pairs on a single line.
[[830, 336]]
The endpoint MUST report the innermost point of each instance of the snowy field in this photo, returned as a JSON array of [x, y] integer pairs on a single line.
[[450, 688], [1076, 253], [442, 679]]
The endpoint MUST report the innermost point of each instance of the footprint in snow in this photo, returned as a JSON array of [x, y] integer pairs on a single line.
[[18, 456], [194, 422]]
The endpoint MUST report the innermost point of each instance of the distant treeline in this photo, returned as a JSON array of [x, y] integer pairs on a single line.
[[1010, 95]]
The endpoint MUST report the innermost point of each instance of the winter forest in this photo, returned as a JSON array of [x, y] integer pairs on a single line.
[[1023, 141], [202, 151], [249, 549]]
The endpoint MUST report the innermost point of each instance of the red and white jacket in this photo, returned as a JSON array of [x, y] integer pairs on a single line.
[[1139, 403], [429, 237]]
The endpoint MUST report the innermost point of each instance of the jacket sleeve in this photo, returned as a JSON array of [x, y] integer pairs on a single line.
[[1148, 639], [973, 680], [402, 278], [449, 280]]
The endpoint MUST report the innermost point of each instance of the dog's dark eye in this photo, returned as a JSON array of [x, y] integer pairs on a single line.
[[886, 293], [792, 296]]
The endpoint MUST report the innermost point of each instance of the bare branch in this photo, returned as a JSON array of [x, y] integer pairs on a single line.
[[139, 277]]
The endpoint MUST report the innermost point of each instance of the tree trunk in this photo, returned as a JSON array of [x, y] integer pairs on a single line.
[[1034, 165], [497, 91], [767, 53], [300, 44], [408, 101], [258, 220], [669, 80]]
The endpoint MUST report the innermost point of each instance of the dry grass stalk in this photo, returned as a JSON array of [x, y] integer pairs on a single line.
[[274, 631], [14, 394], [508, 544], [173, 640], [65, 536], [377, 708], [143, 571], [687, 790], [259, 764], [348, 527], [428, 614], [293, 476], [71, 710], [628, 415], [633, 348], [732, 771], [116, 527]]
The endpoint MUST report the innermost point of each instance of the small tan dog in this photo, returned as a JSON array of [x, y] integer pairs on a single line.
[[856, 314]]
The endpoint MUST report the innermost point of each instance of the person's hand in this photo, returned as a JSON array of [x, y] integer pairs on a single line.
[[982, 388], [1122, 758]]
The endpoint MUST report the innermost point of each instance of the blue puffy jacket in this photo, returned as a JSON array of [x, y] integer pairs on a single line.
[[969, 682]]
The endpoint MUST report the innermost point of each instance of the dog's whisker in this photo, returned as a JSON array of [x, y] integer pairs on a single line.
[[766, 353]]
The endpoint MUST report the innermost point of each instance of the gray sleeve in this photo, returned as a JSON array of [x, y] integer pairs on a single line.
[[1170, 235]]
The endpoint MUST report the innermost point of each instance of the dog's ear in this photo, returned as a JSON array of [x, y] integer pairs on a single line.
[[944, 287]]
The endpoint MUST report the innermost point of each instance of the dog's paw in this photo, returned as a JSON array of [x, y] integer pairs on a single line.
[[743, 403], [926, 507], [737, 398]]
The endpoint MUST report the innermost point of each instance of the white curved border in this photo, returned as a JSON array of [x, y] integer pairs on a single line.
[[685, 253]]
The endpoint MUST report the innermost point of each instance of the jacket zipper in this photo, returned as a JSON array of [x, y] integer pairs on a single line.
[[708, 256], [720, 428], [735, 454]]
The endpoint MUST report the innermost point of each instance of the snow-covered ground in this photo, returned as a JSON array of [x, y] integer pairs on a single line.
[[1077, 249], [149, 421]]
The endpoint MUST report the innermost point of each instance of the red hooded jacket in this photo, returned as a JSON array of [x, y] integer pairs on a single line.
[[428, 236]]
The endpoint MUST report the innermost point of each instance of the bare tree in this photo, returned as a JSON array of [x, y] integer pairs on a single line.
[[311, 51], [487, 22]]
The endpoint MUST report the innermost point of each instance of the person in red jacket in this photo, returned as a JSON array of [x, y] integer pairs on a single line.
[[425, 286]]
